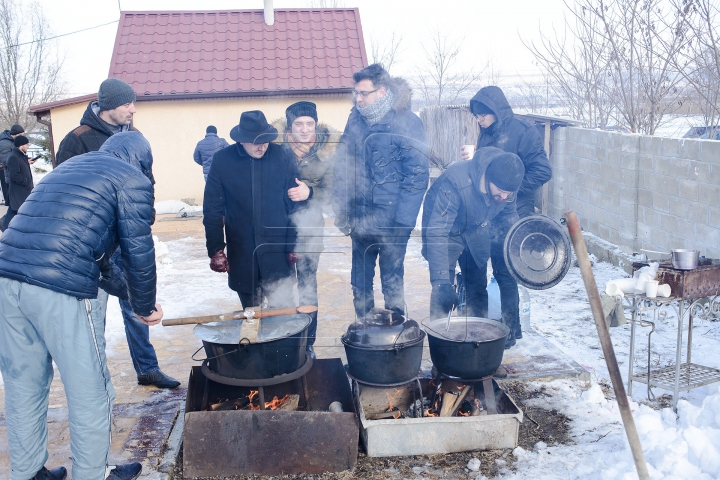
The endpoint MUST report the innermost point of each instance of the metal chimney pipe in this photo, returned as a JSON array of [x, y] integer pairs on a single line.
[[269, 13]]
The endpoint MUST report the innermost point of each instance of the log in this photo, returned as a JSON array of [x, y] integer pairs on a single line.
[[291, 404], [379, 416], [239, 314]]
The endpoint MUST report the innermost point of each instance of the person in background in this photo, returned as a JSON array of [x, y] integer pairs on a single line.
[[21, 180], [380, 179], [462, 210], [110, 114], [500, 128], [52, 311], [6, 146], [247, 208], [313, 146], [206, 148]]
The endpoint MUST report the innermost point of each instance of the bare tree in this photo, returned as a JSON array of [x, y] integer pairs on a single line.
[[386, 53], [29, 69], [613, 62], [534, 96], [439, 80], [698, 61], [494, 72]]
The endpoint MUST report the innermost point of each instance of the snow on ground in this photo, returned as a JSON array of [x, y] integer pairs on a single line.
[[175, 206], [686, 445]]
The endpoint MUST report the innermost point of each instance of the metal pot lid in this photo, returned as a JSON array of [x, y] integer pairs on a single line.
[[537, 252], [383, 328], [271, 328], [467, 329]]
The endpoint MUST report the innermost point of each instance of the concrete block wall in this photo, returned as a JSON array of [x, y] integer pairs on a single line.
[[639, 192]]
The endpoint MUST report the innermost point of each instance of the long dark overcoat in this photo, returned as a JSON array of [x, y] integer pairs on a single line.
[[21, 180], [251, 195]]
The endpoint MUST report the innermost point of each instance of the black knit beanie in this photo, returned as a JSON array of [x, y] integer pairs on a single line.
[[478, 108], [211, 129], [506, 172], [300, 109], [113, 93], [21, 140], [16, 129]]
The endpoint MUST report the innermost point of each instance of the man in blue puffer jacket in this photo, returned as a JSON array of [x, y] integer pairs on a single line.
[[206, 148], [52, 310], [381, 174]]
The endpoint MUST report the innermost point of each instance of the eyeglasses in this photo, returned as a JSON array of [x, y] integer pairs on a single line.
[[481, 116], [364, 94]]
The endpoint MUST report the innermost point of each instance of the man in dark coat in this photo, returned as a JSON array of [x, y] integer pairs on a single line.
[[21, 180], [464, 210], [112, 113], [206, 148], [499, 128], [313, 145], [6, 146], [51, 309], [380, 179], [247, 202]]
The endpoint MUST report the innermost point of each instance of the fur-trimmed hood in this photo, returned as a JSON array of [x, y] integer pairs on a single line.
[[403, 94], [325, 144]]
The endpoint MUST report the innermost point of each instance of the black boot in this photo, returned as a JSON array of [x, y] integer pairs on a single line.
[[159, 379], [58, 473], [128, 471]]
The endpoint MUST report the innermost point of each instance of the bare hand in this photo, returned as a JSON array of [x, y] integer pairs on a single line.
[[154, 318], [464, 154], [299, 193]]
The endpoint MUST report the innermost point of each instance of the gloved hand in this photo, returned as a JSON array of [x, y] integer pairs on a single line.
[[219, 262], [444, 296], [292, 258]]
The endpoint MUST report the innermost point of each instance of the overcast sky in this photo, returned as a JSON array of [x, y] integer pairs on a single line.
[[488, 29]]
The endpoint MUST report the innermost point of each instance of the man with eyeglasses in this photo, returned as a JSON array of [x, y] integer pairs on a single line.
[[499, 128], [464, 211], [380, 177]]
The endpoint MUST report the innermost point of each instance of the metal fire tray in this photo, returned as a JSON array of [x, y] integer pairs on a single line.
[[431, 435], [242, 442], [704, 281]]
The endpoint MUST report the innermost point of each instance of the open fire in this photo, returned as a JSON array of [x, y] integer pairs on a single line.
[[251, 401]]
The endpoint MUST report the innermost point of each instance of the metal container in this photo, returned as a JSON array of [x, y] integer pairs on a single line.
[[280, 348], [685, 259], [384, 348], [427, 436], [472, 348]]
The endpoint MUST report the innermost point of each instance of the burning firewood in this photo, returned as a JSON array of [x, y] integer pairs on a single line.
[[237, 404], [451, 401], [291, 404], [379, 416]]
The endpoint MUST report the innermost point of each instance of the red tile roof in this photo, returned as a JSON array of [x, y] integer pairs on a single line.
[[235, 52]]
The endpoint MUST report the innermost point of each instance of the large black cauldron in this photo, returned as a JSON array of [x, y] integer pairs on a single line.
[[472, 348], [384, 348], [280, 348]]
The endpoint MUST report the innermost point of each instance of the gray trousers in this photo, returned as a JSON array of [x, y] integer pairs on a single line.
[[39, 326]]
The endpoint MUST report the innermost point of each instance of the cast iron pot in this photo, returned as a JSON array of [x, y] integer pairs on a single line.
[[280, 348], [472, 348], [384, 348]]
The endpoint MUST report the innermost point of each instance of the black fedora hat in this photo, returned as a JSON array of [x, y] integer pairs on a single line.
[[253, 128]]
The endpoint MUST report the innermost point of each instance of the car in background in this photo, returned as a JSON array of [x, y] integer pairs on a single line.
[[711, 133]]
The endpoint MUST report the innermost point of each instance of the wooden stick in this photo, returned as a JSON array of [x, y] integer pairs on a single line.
[[240, 314], [379, 416], [583, 260]]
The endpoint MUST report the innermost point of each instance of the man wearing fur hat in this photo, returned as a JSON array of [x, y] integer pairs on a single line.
[[379, 182], [499, 128], [464, 210], [250, 194], [313, 145], [6, 146]]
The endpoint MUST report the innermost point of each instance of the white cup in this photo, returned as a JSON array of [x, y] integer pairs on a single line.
[[651, 288], [664, 290], [468, 150], [335, 407]]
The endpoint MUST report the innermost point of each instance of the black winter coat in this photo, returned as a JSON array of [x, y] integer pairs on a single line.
[[88, 137], [206, 148], [381, 173], [6, 146], [21, 180], [79, 214], [455, 210], [515, 136], [250, 195]]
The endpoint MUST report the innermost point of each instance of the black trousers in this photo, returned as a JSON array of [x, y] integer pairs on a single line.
[[5, 188]]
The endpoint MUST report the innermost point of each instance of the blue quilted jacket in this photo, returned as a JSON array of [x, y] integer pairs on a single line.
[[79, 214]]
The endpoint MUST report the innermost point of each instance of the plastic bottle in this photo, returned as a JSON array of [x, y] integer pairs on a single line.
[[494, 300], [524, 308]]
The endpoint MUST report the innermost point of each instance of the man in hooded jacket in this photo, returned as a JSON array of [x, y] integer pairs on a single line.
[[51, 309], [110, 114], [6, 145], [499, 128], [464, 209], [381, 175]]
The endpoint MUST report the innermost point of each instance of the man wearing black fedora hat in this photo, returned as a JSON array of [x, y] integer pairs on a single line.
[[251, 191]]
